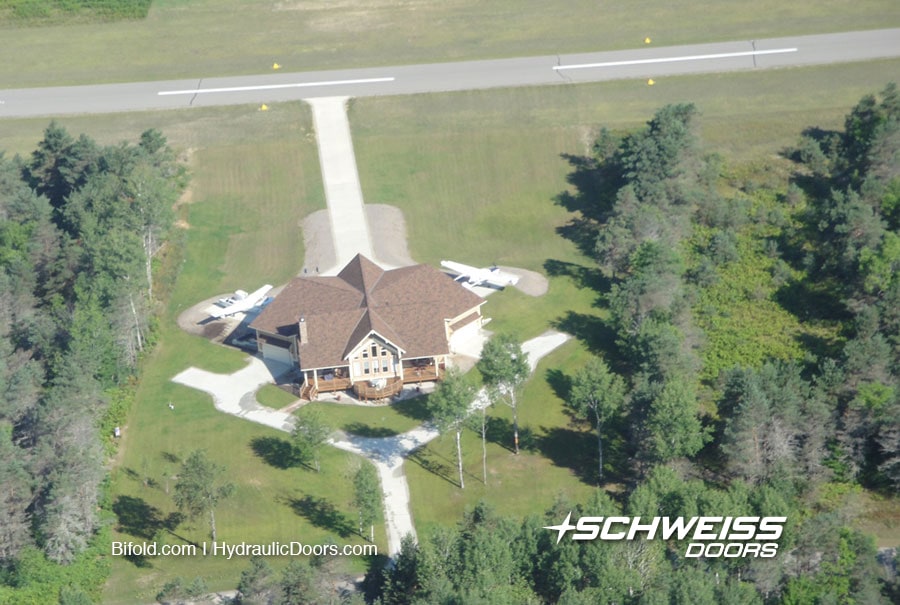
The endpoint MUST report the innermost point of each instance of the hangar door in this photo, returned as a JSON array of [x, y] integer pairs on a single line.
[[273, 352]]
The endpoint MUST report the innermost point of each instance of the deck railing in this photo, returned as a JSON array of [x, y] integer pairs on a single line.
[[429, 373], [366, 391]]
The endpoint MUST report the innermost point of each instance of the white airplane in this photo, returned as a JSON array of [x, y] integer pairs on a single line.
[[238, 303], [473, 276]]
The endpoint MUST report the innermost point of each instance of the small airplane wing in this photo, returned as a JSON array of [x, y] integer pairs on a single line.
[[239, 306], [475, 276], [502, 277]]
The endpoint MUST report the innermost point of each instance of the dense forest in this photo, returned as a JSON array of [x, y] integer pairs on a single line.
[[696, 267], [81, 227]]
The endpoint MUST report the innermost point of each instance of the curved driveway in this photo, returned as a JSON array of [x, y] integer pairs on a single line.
[[441, 77]]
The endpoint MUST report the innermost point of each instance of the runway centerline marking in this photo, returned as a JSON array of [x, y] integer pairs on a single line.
[[200, 91], [747, 53]]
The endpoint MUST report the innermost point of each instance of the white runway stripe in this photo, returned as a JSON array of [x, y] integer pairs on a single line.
[[199, 91], [748, 53]]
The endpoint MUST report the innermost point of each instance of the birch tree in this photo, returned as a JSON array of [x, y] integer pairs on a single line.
[[200, 488], [448, 407], [505, 367]]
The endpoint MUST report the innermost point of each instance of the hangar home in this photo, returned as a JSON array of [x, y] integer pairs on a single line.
[[369, 329]]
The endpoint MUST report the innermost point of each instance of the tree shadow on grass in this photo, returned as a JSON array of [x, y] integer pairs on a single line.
[[595, 185], [364, 430], [138, 519], [568, 448], [434, 464], [323, 514], [414, 408], [812, 300], [500, 432], [560, 382], [591, 330], [274, 451], [591, 278]]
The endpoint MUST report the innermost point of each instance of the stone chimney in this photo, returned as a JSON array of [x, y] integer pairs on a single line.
[[304, 335]]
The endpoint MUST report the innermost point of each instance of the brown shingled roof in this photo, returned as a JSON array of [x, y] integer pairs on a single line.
[[406, 306]]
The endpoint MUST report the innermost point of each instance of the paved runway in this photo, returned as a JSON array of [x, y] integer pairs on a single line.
[[647, 62]]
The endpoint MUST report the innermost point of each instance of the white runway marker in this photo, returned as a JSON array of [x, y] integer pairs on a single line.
[[200, 91], [748, 53]]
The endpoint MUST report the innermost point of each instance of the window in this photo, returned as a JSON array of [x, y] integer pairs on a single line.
[[384, 365], [374, 350], [384, 352], [365, 367], [365, 354]]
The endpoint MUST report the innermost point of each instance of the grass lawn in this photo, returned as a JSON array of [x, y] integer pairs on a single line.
[[204, 38], [374, 421], [554, 460], [273, 397], [270, 503]]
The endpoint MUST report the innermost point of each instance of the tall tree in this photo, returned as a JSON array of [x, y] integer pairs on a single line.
[[15, 498], [367, 497], [504, 366], [596, 395], [673, 425], [310, 433], [448, 407], [200, 488]]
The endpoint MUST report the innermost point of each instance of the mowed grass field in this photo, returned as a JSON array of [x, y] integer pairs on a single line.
[[554, 462], [204, 38], [487, 165]]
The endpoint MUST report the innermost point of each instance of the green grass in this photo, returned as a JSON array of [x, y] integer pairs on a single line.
[[552, 462], [42, 12], [273, 397], [270, 504], [204, 38], [486, 166], [249, 196], [374, 421]]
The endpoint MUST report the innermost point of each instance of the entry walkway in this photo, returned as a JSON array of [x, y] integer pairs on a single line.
[[235, 394], [343, 194]]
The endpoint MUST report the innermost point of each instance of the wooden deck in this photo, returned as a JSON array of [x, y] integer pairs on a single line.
[[428, 373], [335, 384], [367, 392], [411, 375]]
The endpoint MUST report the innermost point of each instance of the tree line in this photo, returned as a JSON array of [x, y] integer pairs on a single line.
[[81, 226]]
